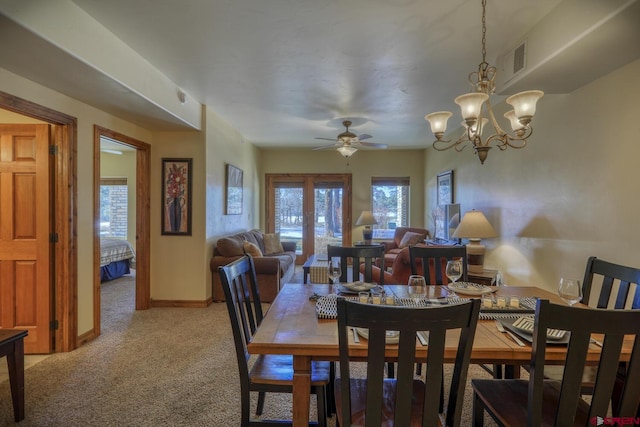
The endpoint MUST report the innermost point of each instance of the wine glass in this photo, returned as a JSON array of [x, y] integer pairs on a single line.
[[454, 269], [417, 288], [570, 290], [334, 271]]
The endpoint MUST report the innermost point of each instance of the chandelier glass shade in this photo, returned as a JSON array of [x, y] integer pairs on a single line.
[[476, 108], [347, 150]]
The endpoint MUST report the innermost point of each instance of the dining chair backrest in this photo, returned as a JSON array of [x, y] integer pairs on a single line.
[[581, 323], [240, 287], [434, 262], [619, 286], [379, 319], [356, 255]]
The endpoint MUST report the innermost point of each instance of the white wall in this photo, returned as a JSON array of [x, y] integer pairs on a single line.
[[571, 193]]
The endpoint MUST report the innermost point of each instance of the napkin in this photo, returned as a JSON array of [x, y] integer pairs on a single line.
[[327, 307]]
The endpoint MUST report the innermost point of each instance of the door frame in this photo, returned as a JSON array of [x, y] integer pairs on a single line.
[[64, 259], [308, 181], [143, 228]]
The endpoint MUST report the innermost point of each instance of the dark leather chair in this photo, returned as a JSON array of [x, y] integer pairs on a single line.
[[539, 401], [376, 400], [269, 373], [361, 258]]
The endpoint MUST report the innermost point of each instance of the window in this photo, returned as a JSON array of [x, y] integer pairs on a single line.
[[113, 207], [390, 205]]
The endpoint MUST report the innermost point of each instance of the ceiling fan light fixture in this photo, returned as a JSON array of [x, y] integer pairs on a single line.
[[347, 150]]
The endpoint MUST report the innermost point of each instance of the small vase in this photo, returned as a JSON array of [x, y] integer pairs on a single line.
[[175, 214]]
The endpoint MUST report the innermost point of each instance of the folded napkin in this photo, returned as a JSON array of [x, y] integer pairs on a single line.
[[327, 307]]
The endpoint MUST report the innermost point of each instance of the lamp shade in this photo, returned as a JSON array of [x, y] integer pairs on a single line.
[[347, 150], [366, 218], [474, 225]]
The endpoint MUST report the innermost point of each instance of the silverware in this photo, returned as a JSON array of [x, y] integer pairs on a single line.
[[356, 338], [511, 334], [422, 337], [596, 342]]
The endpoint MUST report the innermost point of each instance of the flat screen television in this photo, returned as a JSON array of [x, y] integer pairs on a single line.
[[447, 220]]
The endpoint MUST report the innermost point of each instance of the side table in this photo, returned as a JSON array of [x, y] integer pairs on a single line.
[[12, 346]]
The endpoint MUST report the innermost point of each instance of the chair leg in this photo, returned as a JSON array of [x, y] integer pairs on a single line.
[[418, 368], [330, 402], [260, 405], [478, 412], [321, 398]]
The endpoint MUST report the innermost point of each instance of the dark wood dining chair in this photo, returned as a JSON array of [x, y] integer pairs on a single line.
[[403, 401], [433, 260], [361, 259], [615, 289], [539, 401], [269, 373]]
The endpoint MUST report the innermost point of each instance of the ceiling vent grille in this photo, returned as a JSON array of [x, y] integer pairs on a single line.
[[519, 58]]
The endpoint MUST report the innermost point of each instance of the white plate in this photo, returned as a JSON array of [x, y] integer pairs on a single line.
[[393, 337], [468, 288], [356, 287]]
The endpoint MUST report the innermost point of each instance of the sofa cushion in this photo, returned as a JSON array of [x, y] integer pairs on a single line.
[[410, 238], [251, 249], [229, 246], [272, 243]]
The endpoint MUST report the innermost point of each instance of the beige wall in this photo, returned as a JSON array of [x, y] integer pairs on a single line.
[[123, 166], [363, 165], [571, 193]]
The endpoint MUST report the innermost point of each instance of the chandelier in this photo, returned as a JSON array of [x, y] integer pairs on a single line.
[[475, 120]]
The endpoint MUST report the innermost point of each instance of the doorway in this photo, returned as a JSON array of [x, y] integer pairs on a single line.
[[142, 219], [313, 210]]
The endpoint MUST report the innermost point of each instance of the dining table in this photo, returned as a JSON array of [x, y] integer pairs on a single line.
[[292, 326]]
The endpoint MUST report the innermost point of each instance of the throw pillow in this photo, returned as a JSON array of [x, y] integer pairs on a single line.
[[410, 238], [252, 249], [272, 243], [229, 247]]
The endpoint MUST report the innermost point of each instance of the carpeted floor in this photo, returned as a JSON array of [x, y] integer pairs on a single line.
[[164, 366]]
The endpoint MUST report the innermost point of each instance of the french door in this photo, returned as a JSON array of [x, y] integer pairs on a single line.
[[313, 210]]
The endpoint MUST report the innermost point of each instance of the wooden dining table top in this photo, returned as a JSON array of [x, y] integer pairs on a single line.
[[292, 327]]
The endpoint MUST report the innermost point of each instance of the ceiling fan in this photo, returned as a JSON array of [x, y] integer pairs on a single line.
[[348, 143]]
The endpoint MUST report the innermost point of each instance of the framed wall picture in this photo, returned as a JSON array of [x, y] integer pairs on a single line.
[[176, 196], [445, 188], [234, 190]]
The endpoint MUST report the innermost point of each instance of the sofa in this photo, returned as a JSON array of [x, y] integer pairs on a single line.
[[403, 237], [274, 261]]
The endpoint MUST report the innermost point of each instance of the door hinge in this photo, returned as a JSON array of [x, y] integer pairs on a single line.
[[53, 238], [53, 150], [53, 325]]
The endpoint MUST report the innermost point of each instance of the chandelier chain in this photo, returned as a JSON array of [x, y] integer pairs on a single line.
[[484, 32]]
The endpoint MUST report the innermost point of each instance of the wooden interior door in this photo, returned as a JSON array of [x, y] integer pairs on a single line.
[[25, 248]]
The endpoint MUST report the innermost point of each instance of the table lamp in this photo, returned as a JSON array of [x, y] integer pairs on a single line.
[[366, 218], [474, 226]]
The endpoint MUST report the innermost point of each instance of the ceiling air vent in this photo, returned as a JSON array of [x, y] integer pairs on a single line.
[[519, 58]]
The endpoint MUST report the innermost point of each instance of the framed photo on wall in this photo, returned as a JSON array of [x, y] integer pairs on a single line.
[[176, 197], [445, 188], [234, 190]]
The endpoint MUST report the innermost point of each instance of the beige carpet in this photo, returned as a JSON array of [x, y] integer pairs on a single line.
[[164, 366]]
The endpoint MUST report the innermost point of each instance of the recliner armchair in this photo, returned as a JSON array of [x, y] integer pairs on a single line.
[[393, 248]]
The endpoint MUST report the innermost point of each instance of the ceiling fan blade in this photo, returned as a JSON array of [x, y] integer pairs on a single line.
[[373, 145], [364, 136], [326, 147], [326, 139]]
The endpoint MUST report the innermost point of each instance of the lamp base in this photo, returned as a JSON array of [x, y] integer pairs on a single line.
[[367, 235], [475, 256]]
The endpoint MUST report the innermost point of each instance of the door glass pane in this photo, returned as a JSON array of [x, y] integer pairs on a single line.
[[289, 215], [327, 218]]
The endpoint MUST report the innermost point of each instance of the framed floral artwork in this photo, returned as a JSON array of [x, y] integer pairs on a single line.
[[234, 190], [176, 197]]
